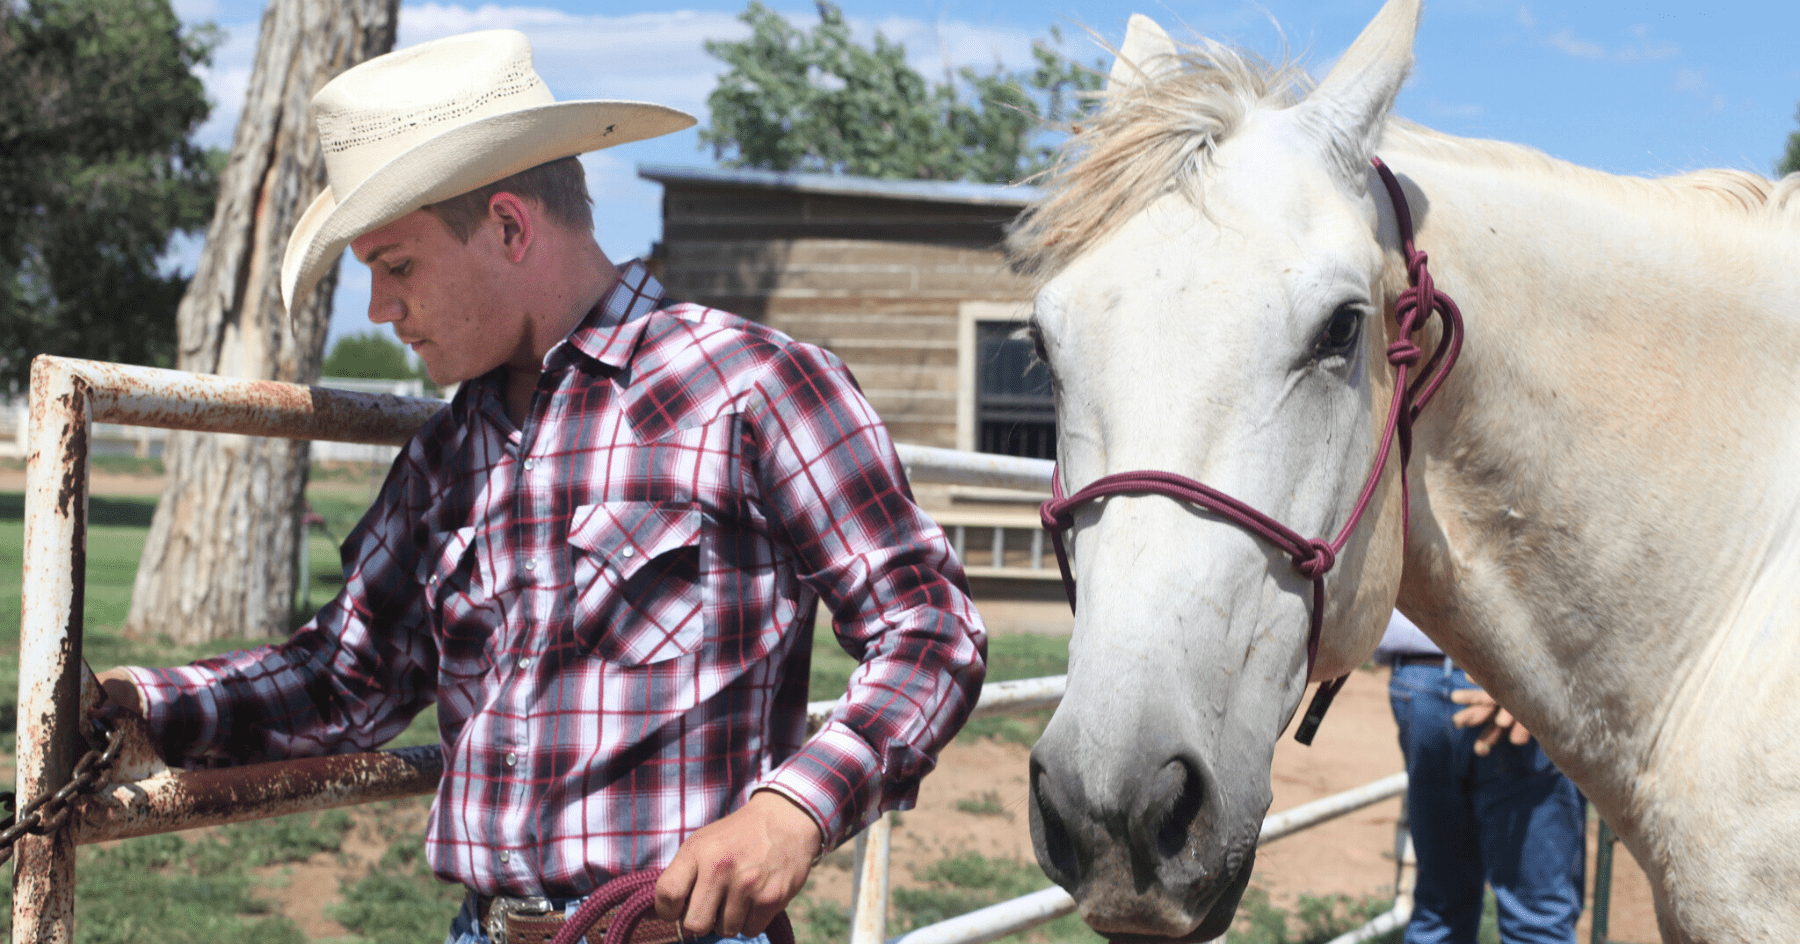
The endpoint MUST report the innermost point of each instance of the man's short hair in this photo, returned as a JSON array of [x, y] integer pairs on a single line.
[[560, 186]]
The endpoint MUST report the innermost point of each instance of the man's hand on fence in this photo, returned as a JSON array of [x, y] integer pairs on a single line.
[[121, 690], [734, 876], [1484, 710]]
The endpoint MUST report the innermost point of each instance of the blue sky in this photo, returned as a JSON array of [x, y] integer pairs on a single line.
[[1646, 87]]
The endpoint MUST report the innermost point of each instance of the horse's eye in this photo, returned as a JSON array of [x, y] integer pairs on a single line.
[[1340, 331]]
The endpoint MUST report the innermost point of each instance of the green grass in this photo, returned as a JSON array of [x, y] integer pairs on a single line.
[[951, 887], [182, 889], [400, 901], [987, 804], [1315, 919]]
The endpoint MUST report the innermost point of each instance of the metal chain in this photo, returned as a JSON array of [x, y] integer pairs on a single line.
[[48, 813]]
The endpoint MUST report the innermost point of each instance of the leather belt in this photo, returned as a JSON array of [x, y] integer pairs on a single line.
[[1419, 658], [536, 921]]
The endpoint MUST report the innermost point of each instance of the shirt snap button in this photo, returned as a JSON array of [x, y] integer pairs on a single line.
[[531, 565], [524, 662], [628, 552], [512, 760], [505, 856], [530, 464]]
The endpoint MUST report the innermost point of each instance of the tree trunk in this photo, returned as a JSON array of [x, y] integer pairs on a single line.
[[220, 559]]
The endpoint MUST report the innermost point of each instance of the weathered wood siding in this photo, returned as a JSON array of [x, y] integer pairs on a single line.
[[876, 281]]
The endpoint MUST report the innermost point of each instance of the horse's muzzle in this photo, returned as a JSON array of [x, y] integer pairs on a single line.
[[1144, 861]]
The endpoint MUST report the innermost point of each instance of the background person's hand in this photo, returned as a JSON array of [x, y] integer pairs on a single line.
[[734, 876], [1484, 710]]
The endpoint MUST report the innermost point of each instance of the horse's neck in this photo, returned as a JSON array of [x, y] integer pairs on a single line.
[[1607, 502]]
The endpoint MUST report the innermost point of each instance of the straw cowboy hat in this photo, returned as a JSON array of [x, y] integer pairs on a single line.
[[437, 120]]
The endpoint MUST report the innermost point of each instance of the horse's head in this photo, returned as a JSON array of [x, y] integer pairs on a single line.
[[1222, 281]]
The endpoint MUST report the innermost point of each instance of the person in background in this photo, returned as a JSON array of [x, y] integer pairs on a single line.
[[1486, 806]]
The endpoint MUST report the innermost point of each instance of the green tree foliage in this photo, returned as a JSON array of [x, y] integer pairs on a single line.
[[1790, 162], [96, 172], [820, 101], [369, 356]]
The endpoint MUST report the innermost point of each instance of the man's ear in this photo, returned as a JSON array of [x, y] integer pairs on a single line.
[[516, 221]]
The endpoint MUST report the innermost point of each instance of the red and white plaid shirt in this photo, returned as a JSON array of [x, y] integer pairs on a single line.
[[613, 608]]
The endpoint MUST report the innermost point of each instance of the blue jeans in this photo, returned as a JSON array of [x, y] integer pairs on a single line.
[[464, 929], [1510, 819]]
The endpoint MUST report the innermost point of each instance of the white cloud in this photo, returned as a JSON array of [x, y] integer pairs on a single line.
[[1696, 83], [1647, 49], [1644, 49], [1691, 80], [1564, 41], [196, 9], [655, 57], [930, 47], [226, 80], [1525, 18]]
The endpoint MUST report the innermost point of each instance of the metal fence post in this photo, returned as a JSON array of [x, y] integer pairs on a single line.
[[56, 500], [869, 921], [1603, 869]]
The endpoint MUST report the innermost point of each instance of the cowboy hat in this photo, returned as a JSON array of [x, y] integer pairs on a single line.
[[434, 121]]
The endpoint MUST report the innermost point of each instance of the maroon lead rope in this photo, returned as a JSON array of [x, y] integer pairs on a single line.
[[635, 897], [1313, 558]]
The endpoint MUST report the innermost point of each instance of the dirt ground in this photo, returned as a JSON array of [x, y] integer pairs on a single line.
[[99, 483]]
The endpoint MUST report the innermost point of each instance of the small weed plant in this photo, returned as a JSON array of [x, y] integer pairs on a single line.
[[987, 804]]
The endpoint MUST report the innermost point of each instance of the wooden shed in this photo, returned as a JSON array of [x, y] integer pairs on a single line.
[[904, 280]]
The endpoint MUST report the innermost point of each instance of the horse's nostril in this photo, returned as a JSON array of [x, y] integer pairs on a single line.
[[1179, 792], [1055, 847]]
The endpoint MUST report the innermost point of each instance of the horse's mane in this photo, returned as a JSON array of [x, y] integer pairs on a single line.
[[1734, 192], [1156, 136], [1145, 140]]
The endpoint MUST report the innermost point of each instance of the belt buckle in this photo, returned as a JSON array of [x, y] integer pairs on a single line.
[[500, 906]]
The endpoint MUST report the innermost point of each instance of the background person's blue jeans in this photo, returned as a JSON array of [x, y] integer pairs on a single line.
[[1510, 819], [464, 929]]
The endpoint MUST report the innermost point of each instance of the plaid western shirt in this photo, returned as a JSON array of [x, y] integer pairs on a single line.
[[613, 608]]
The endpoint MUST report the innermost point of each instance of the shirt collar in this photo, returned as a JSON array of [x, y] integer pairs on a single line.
[[611, 330]]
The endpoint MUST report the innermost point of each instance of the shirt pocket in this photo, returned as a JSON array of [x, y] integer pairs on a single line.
[[637, 587], [464, 612]]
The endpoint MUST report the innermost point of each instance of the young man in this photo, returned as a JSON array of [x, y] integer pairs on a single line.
[[602, 561]]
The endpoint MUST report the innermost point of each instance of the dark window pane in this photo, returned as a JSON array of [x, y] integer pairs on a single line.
[[1015, 412]]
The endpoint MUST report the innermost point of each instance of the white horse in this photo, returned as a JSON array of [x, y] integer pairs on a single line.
[[1605, 496]]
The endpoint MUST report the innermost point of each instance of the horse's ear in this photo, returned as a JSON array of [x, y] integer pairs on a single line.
[[1146, 53], [1349, 109]]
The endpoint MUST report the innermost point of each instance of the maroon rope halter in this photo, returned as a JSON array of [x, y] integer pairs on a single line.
[[1312, 557], [635, 897]]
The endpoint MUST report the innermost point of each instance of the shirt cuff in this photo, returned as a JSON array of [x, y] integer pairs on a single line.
[[835, 778], [180, 708]]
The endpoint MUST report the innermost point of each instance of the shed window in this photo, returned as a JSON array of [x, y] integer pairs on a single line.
[[1015, 414]]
